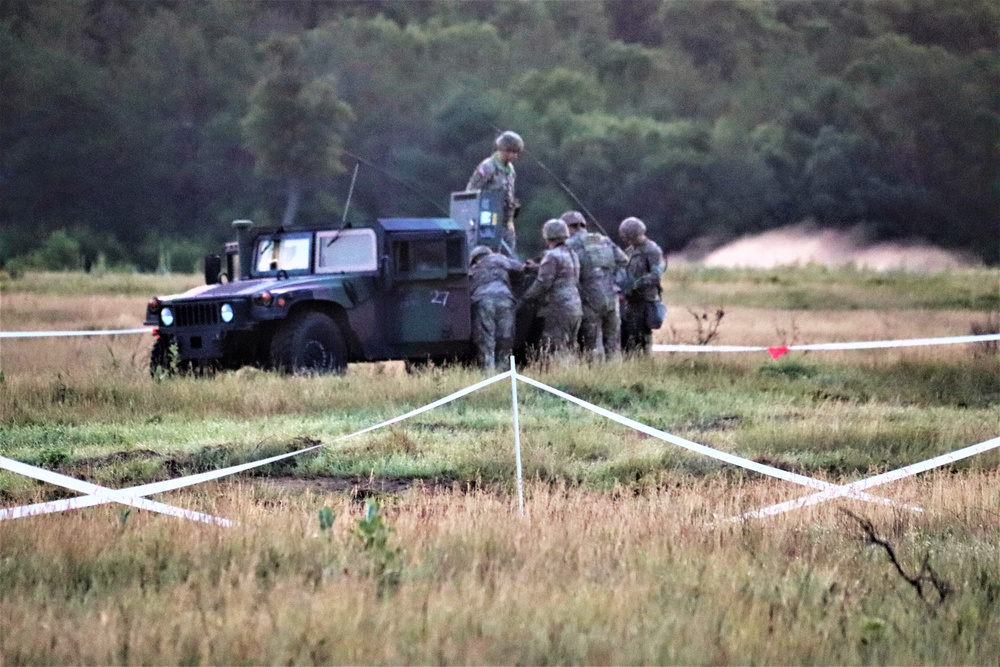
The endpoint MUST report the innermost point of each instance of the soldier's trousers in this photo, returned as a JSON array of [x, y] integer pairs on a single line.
[[637, 337], [600, 330], [493, 330], [559, 335]]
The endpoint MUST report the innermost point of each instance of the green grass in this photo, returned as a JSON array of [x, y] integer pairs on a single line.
[[821, 288], [814, 416], [112, 283], [623, 555]]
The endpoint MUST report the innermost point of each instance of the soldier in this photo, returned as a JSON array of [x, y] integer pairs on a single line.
[[497, 173], [643, 311], [557, 288], [602, 266], [492, 304]]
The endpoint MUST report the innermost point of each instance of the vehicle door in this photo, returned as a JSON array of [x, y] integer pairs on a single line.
[[429, 300]]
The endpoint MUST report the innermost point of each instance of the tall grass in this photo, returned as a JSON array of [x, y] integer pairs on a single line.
[[624, 554], [583, 577]]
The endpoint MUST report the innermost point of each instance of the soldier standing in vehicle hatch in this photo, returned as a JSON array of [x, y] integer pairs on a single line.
[[492, 304], [557, 288], [497, 173], [641, 287], [602, 266]]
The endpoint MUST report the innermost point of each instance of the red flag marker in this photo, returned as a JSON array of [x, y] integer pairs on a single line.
[[778, 350]]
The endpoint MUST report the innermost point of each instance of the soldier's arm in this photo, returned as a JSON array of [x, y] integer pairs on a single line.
[[657, 266], [543, 283], [621, 259], [513, 264], [481, 176]]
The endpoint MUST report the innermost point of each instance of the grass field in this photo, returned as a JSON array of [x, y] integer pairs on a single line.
[[624, 554]]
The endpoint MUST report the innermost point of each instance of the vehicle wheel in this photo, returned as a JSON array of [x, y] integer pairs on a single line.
[[159, 359], [309, 342]]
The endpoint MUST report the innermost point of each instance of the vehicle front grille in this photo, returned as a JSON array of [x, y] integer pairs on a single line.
[[196, 314]]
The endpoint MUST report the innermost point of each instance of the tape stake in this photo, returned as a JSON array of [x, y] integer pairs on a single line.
[[517, 434], [778, 350]]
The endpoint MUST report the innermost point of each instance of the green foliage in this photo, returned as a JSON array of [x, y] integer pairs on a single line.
[[168, 120], [372, 534], [326, 517], [59, 252], [134, 121]]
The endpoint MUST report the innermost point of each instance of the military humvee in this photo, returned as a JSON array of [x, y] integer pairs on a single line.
[[315, 299]]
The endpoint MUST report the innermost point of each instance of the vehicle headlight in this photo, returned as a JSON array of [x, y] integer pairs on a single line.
[[167, 316], [226, 311]]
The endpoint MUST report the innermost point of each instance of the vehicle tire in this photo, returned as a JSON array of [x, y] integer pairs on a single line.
[[309, 342], [159, 358]]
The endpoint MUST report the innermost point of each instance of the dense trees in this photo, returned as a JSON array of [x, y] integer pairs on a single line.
[[133, 128]]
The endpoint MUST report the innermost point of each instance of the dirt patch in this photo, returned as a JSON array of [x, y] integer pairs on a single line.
[[85, 466], [807, 243], [357, 487]]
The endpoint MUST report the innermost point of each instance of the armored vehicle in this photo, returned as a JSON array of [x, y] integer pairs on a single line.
[[316, 299]]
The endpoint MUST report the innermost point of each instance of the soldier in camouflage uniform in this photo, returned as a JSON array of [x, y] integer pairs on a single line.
[[602, 266], [497, 173], [492, 304], [641, 286], [557, 288]]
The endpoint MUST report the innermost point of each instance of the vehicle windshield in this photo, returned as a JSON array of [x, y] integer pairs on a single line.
[[283, 252]]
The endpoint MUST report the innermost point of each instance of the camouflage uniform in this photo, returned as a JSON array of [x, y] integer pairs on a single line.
[[601, 262], [493, 307], [641, 290], [557, 286], [493, 174]]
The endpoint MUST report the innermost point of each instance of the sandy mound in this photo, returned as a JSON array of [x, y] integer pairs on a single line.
[[805, 243]]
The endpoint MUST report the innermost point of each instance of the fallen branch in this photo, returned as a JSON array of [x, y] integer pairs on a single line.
[[926, 575]]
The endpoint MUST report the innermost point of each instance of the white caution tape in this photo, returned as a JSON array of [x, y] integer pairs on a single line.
[[430, 406], [49, 334], [908, 342], [135, 493], [708, 348], [708, 451], [104, 494], [884, 478], [857, 345]]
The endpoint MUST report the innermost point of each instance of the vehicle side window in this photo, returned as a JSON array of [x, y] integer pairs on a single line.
[[346, 251], [420, 259], [455, 249]]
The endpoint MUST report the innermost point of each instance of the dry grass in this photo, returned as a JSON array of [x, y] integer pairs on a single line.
[[624, 554], [583, 577]]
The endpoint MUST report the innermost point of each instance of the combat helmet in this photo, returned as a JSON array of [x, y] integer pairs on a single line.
[[631, 229], [555, 230], [477, 253], [510, 141], [574, 218]]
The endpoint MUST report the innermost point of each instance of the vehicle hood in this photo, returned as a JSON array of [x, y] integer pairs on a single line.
[[247, 288]]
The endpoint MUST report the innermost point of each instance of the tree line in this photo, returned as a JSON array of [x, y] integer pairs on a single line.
[[133, 130]]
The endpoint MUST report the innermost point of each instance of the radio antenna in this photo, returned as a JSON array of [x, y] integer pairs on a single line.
[[350, 192]]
